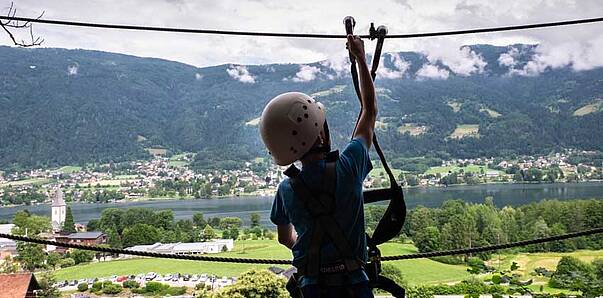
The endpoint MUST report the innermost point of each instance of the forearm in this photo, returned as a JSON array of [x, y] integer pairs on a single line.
[[286, 235], [367, 89]]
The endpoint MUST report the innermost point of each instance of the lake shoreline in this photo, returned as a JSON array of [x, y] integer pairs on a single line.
[[507, 194]]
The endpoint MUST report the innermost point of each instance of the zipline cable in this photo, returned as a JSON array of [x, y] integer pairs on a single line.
[[288, 262], [296, 35]]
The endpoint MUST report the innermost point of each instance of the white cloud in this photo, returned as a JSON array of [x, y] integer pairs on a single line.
[[461, 60], [509, 58], [72, 69], [240, 73], [306, 73], [317, 16], [198, 76], [339, 64], [430, 71], [399, 69]]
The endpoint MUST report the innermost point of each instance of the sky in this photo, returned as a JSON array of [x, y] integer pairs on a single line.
[[576, 46]]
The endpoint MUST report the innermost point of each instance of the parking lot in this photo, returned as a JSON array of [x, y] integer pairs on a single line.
[[173, 279]]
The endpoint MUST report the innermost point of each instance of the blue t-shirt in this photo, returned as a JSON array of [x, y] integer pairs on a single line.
[[352, 167]]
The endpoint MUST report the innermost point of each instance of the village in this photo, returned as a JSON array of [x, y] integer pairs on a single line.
[[171, 177]]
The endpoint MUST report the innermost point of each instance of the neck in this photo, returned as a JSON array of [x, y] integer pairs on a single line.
[[312, 158]]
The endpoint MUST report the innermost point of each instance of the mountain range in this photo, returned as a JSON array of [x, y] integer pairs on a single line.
[[60, 107]]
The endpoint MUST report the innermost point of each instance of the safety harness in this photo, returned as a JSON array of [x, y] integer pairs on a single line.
[[321, 205]]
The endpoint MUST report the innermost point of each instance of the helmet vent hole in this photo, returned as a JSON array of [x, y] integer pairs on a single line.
[[306, 115], [299, 119], [292, 149], [305, 107], [294, 132], [309, 101], [315, 123], [303, 143]]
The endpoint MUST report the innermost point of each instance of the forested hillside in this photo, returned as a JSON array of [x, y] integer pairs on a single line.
[[62, 106]]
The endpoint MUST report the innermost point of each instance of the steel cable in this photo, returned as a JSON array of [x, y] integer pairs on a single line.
[[288, 262], [296, 35]]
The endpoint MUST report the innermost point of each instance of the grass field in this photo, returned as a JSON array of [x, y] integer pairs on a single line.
[[468, 169], [379, 171], [529, 261], [69, 169], [465, 130], [589, 108], [491, 113], [412, 129], [415, 271], [335, 89], [35, 181], [157, 151]]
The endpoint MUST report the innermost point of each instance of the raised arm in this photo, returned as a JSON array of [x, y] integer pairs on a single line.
[[366, 122]]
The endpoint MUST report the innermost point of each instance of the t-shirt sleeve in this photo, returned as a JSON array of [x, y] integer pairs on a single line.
[[278, 215], [355, 159]]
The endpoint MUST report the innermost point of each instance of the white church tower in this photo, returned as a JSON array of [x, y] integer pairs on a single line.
[[59, 209]]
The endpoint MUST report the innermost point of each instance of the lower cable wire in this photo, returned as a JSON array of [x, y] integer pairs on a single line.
[[288, 262]]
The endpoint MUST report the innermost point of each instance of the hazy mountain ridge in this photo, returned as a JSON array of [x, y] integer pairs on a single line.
[[70, 106]]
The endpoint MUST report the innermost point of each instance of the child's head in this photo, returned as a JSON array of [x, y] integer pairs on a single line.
[[291, 125]]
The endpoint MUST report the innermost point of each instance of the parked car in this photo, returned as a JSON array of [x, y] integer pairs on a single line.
[[186, 277], [203, 277], [121, 278], [151, 276], [195, 277], [73, 283], [176, 277], [167, 277]]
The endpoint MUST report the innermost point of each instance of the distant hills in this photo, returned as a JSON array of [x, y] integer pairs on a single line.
[[61, 107]]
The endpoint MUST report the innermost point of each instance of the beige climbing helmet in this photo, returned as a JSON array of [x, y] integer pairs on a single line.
[[290, 125]]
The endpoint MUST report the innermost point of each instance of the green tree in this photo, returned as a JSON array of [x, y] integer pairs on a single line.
[[53, 259], [47, 283], [572, 274], [598, 267], [83, 287], [256, 283], [199, 220], [427, 239], [31, 255], [392, 272], [81, 256], [208, 233], [140, 234], [230, 222], [113, 238], [31, 225], [69, 224], [255, 219]]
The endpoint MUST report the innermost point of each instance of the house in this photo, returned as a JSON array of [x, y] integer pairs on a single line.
[[18, 285], [84, 238]]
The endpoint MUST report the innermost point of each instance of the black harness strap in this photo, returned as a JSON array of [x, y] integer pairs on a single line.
[[321, 207]]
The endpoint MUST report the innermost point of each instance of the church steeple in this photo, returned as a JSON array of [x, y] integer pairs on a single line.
[[58, 199], [59, 210]]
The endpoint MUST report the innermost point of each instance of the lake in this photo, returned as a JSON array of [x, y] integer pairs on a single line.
[[503, 194]]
